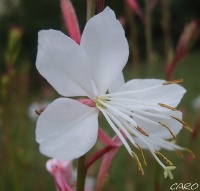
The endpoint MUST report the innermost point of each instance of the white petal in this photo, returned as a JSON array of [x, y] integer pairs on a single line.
[[118, 83], [106, 47], [153, 92], [64, 64], [139, 84], [67, 129]]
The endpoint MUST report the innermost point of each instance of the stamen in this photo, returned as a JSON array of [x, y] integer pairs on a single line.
[[190, 151], [116, 101], [99, 104], [142, 131], [180, 154], [142, 154], [124, 115], [138, 163], [173, 82], [185, 125], [167, 106], [167, 161], [136, 133], [121, 126], [168, 129], [119, 113], [116, 130]]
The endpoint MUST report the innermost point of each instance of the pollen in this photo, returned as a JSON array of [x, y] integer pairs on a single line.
[[138, 163], [173, 82], [185, 125], [179, 154], [167, 161], [167, 106], [142, 154], [142, 131], [164, 125], [99, 104]]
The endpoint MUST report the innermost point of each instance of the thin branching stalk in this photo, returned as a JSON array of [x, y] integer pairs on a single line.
[[90, 8], [166, 29], [148, 34], [81, 174]]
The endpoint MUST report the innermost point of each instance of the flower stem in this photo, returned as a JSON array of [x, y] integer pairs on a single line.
[[148, 36], [81, 174], [90, 8]]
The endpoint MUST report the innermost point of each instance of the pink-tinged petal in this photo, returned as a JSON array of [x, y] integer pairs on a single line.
[[64, 167], [67, 129], [105, 44], [153, 91], [62, 173], [70, 19], [106, 163], [105, 166], [111, 144], [64, 64], [105, 138], [118, 83]]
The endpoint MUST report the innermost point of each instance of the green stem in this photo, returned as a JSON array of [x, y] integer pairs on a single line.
[[134, 54], [90, 8], [166, 29], [81, 174], [148, 35]]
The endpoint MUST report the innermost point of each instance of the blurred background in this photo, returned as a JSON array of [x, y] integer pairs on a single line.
[[164, 40]]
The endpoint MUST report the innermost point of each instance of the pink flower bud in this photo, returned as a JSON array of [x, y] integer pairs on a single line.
[[70, 19], [62, 173], [187, 39]]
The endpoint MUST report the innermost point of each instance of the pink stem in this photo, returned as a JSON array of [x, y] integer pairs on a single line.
[[71, 22], [100, 5]]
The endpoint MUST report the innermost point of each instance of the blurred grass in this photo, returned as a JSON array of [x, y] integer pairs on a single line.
[[24, 169]]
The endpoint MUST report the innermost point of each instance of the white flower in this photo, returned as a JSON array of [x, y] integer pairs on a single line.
[[65, 175], [142, 109]]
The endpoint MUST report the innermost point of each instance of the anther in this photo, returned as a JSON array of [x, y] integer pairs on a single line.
[[142, 154], [167, 106], [142, 131], [185, 125], [39, 111], [164, 125], [138, 163], [167, 161], [180, 154], [173, 82], [190, 151]]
